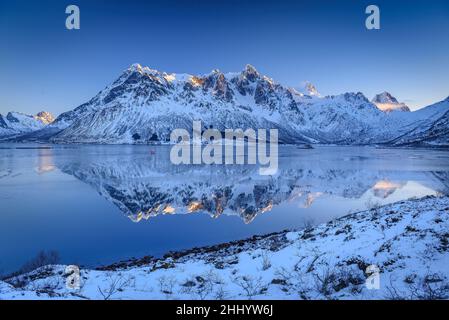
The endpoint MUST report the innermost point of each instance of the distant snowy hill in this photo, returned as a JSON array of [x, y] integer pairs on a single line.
[[430, 126], [144, 105], [18, 123], [307, 89]]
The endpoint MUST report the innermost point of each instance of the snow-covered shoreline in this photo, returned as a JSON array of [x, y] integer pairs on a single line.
[[408, 241]]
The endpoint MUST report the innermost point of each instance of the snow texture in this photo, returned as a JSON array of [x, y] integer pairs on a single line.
[[407, 241]]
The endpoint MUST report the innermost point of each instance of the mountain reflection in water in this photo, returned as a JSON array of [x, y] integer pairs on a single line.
[[75, 199], [146, 184]]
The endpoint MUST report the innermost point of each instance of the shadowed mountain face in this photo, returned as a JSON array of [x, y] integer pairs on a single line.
[[148, 185]]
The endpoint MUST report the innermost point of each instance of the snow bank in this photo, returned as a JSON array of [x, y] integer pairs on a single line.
[[407, 241]]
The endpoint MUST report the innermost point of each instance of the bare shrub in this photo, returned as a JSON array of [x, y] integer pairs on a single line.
[[335, 279], [372, 204], [43, 258], [167, 285], [266, 260], [203, 286], [285, 275], [293, 279], [46, 286], [429, 287], [308, 224], [374, 207], [220, 293], [316, 257], [115, 284], [251, 286], [324, 281]]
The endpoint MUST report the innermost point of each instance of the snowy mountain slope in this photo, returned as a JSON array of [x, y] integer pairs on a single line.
[[430, 126], [4, 129], [3, 123], [407, 242], [144, 105], [344, 119], [351, 119], [18, 123], [387, 103]]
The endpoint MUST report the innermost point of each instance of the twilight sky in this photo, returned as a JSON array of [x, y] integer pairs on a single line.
[[43, 66]]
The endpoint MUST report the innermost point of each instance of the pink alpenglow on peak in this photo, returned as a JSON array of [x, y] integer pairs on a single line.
[[387, 103]]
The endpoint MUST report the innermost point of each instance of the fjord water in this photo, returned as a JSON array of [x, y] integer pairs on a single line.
[[101, 204]]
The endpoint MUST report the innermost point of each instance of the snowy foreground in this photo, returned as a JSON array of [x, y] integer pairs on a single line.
[[408, 241]]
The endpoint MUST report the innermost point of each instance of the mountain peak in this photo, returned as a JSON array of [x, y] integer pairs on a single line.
[[308, 89], [384, 97], [250, 73], [20, 122], [45, 117], [355, 97], [137, 67], [250, 69], [387, 103]]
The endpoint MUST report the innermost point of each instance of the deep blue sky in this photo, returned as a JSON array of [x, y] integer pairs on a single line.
[[45, 66]]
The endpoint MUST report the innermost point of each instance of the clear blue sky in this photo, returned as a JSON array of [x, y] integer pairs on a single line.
[[45, 66]]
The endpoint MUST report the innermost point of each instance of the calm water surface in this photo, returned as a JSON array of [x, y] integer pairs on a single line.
[[99, 204]]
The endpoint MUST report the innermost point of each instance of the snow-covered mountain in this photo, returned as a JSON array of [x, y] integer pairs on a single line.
[[44, 117], [428, 126], [307, 89], [144, 105], [18, 123], [386, 102]]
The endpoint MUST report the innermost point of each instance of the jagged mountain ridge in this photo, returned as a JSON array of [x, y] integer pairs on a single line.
[[18, 123], [144, 105], [386, 102]]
